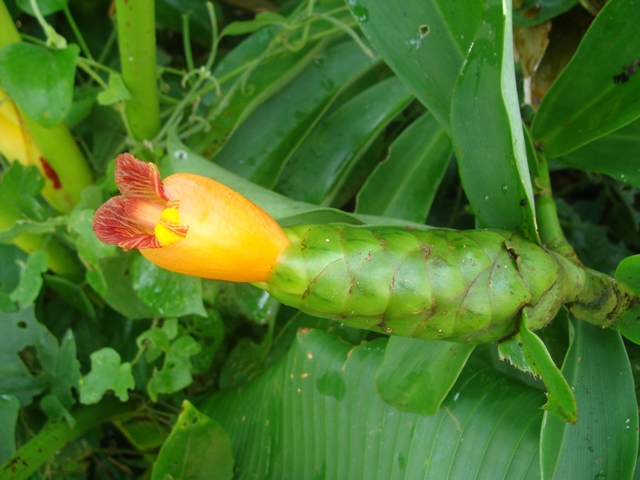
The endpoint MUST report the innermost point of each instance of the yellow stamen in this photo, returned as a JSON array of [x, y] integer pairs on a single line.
[[168, 230]]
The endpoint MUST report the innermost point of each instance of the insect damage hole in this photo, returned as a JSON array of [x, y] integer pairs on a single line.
[[424, 30]]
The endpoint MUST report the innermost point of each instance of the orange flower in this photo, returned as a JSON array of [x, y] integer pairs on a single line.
[[189, 224]]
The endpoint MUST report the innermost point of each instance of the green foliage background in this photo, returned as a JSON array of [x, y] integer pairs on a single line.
[[358, 111]]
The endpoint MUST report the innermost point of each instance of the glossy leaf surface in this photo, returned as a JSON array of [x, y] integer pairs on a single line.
[[316, 413], [604, 441], [197, 449], [487, 130], [424, 43], [405, 183], [599, 90], [319, 167], [416, 376]]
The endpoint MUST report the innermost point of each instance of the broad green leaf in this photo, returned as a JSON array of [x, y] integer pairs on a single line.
[[487, 130], [39, 80], [405, 184], [424, 42], [30, 279], [166, 293], [139, 289], [416, 375], [599, 90], [32, 362], [316, 414], [265, 141], [197, 449], [107, 373], [319, 167], [528, 353], [46, 7], [117, 92], [534, 12], [9, 408], [615, 154], [243, 300], [604, 441]]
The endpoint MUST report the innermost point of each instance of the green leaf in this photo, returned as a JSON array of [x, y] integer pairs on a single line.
[[9, 408], [67, 371], [29, 226], [39, 80], [614, 154], [405, 184], [46, 7], [19, 186], [176, 370], [197, 449], [55, 410], [316, 414], [244, 301], [144, 435], [424, 43], [31, 279], [320, 166], [32, 362], [416, 375], [535, 12], [90, 249], [73, 294], [604, 441], [209, 332], [265, 141], [599, 90], [628, 272], [487, 130], [117, 92], [528, 353], [107, 373], [166, 293], [139, 289]]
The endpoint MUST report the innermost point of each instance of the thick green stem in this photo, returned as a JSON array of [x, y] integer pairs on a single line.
[[594, 297], [548, 223], [137, 40], [56, 435]]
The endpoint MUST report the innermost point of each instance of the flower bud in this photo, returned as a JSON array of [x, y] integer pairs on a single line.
[[189, 224]]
